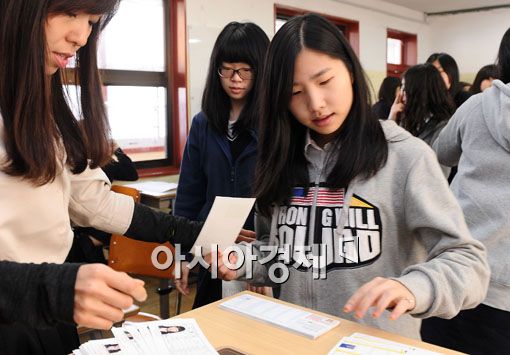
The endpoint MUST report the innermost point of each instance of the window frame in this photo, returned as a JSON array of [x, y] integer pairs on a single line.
[[351, 26], [174, 79], [408, 53]]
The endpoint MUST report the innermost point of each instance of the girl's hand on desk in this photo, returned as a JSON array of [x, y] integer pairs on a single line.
[[382, 294], [100, 294], [224, 272]]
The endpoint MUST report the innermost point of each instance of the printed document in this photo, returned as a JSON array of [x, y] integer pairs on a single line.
[[297, 320], [222, 226], [359, 343]]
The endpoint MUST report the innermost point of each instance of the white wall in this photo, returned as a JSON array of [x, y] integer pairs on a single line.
[[471, 38], [206, 18]]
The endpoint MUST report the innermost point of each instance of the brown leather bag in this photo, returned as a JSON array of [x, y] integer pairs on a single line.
[[134, 256]]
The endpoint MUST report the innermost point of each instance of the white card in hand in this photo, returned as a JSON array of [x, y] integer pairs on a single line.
[[225, 220]]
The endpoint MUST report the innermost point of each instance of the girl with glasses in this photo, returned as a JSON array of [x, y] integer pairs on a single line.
[[358, 210], [219, 158]]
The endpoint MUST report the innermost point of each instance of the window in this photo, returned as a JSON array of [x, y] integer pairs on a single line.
[[349, 28], [400, 52], [142, 60]]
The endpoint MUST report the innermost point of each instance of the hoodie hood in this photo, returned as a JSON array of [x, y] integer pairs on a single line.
[[496, 112], [393, 132]]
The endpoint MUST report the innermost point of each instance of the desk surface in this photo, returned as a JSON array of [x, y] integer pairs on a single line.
[[227, 329]]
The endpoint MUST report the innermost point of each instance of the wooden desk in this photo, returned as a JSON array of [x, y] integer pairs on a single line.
[[160, 201], [227, 329]]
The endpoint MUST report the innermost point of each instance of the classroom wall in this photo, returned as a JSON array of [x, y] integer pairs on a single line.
[[471, 38], [206, 18]]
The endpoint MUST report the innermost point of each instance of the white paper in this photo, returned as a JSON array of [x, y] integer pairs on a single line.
[[359, 343], [305, 323], [154, 188], [225, 220]]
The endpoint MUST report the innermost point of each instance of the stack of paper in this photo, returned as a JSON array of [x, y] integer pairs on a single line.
[[290, 318], [169, 336], [359, 343]]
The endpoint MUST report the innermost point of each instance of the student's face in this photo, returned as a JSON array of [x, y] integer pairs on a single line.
[[65, 34], [486, 83], [322, 94], [237, 84], [445, 77]]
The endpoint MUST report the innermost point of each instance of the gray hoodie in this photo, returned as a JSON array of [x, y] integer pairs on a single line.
[[403, 223], [477, 138]]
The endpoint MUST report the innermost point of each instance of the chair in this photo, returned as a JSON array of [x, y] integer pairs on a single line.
[[134, 256]]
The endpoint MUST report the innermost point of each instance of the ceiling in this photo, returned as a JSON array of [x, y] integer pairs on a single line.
[[431, 6]]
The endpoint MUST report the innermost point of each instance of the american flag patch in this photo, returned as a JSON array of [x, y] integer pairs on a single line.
[[325, 196]]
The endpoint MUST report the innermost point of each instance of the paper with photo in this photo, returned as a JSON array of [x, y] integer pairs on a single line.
[[226, 218], [181, 336]]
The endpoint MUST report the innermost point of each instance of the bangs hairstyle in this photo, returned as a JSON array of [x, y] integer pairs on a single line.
[[281, 163], [504, 58], [237, 42], [426, 95], [35, 112]]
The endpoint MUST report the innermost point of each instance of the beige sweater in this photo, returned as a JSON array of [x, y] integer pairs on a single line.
[[35, 221]]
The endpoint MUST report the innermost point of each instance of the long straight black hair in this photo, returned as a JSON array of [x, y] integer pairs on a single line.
[[451, 69], [237, 42], [503, 61], [426, 98], [281, 162], [36, 115]]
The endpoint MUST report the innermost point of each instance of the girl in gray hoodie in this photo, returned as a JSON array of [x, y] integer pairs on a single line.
[[355, 211], [477, 138]]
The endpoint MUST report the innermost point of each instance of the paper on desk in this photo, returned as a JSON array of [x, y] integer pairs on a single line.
[[154, 188], [225, 220], [297, 320], [359, 343]]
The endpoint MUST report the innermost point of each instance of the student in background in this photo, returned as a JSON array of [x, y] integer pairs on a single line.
[[477, 139], [484, 78], [449, 71], [219, 158], [387, 93], [331, 175], [49, 175], [426, 105]]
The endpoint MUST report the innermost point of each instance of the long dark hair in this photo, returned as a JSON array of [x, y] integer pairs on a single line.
[[281, 162], [504, 58], [426, 97], [237, 42], [486, 72], [388, 88], [36, 115], [451, 69]]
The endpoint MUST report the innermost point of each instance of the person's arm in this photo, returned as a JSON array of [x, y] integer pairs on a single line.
[[37, 294], [42, 295], [93, 204], [191, 189], [456, 274], [121, 169], [448, 145]]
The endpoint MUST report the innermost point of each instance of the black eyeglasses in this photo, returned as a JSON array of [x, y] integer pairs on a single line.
[[244, 73]]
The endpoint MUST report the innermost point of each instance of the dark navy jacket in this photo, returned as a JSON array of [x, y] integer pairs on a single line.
[[207, 171]]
